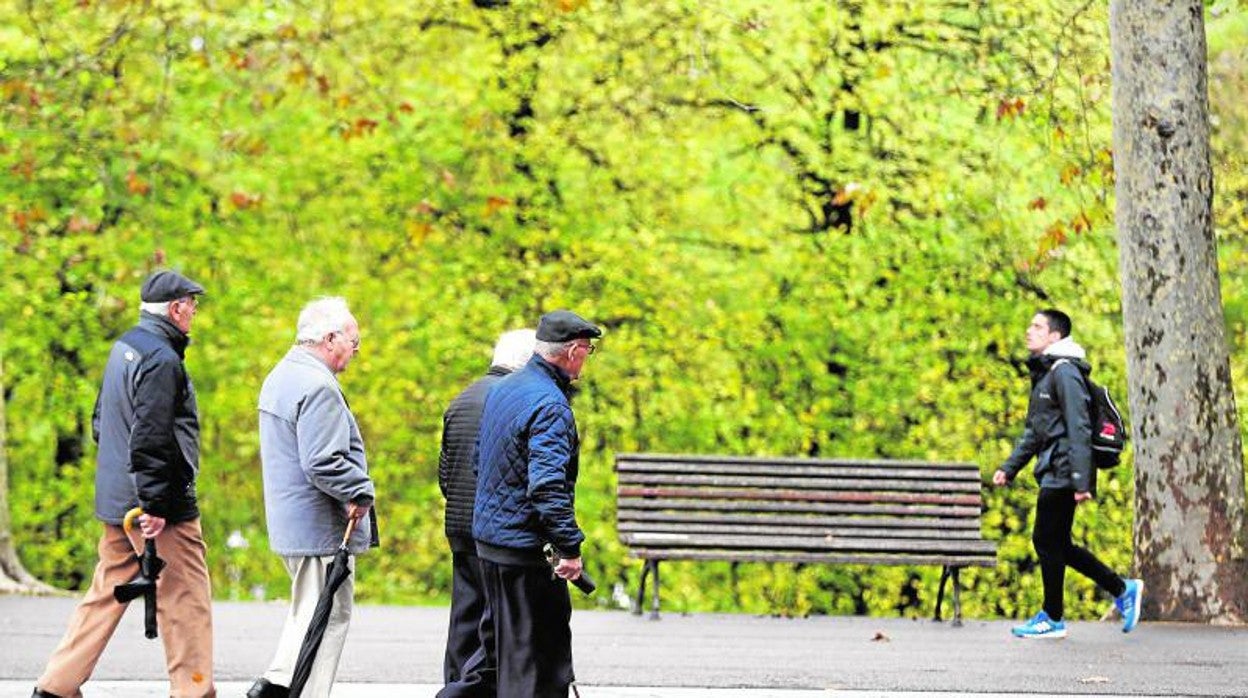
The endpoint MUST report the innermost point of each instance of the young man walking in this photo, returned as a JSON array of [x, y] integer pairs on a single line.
[[1058, 434]]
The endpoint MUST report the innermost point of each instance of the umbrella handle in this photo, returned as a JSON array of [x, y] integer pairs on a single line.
[[350, 529], [128, 522]]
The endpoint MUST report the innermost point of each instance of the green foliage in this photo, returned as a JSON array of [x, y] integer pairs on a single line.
[[810, 229]]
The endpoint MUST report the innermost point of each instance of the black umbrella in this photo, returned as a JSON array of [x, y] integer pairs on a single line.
[[144, 583], [338, 572]]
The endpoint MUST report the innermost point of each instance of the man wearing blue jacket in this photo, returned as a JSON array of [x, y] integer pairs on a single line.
[[464, 670], [527, 463], [1058, 434]]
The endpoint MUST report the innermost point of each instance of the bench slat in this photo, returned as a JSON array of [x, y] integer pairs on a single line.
[[841, 544], [789, 460], [830, 471], [783, 495], [810, 483], [931, 532], [656, 518], [814, 558], [799, 507]]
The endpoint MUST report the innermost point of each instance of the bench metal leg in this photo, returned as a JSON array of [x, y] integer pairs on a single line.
[[651, 567], [940, 592], [945, 575], [957, 598], [641, 588], [654, 609]]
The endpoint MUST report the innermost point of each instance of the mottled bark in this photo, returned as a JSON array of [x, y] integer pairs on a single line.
[[13, 575], [1189, 471]]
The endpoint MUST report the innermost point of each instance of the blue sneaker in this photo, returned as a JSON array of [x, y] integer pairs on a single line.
[[1128, 604], [1041, 627]]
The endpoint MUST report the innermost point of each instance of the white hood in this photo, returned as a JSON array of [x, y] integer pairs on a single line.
[[1066, 347]]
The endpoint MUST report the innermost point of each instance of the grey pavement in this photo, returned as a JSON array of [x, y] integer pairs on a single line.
[[397, 651]]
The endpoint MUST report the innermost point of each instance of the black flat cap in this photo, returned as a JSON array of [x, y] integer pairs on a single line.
[[564, 326], [164, 286]]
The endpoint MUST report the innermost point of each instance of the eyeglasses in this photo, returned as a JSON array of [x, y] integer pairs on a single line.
[[589, 348], [355, 342]]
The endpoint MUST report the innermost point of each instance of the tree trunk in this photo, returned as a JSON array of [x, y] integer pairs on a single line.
[[1189, 471], [13, 575]]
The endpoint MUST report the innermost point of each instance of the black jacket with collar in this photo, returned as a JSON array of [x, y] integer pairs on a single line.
[[457, 472], [1058, 432], [146, 423]]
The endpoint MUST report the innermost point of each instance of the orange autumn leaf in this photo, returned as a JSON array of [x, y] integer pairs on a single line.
[[242, 200], [136, 184], [494, 204], [1010, 108], [1069, 173], [1037, 204], [1081, 223], [1054, 237]]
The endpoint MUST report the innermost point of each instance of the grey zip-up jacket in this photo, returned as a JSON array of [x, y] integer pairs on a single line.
[[1058, 433], [313, 460], [146, 424]]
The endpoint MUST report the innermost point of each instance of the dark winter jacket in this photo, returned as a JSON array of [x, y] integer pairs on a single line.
[[146, 424], [527, 468], [457, 472], [1058, 433]]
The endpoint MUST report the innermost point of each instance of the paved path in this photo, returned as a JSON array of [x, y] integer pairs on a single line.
[[617, 653]]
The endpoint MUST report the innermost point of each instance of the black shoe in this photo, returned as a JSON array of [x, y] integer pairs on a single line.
[[263, 689], [42, 694]]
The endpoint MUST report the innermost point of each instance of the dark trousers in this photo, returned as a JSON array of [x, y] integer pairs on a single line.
[[468, 669], [533, 639], [1055, 515]]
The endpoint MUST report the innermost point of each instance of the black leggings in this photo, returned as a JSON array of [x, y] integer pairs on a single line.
[[1055, 515]]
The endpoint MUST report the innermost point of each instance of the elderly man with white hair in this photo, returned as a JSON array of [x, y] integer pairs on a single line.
[[466, 668], [315, 479]]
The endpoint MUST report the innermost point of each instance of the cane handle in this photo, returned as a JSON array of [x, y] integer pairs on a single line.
[[128, 522]]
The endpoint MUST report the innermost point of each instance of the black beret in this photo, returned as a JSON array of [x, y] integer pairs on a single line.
[[564, 326], [164, 286]]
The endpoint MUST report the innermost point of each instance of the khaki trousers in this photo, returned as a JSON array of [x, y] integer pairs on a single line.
[[307, 579], [184, 613]]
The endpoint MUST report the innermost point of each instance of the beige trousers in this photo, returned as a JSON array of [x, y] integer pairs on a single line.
[[184, 613], [307, 579]]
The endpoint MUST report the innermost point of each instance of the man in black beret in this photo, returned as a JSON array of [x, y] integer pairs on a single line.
[[528, 455], [146, 424]]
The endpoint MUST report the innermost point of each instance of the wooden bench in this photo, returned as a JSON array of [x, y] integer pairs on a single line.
[[872, 512]]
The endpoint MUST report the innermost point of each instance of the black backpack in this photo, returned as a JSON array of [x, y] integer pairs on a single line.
[[1109, 434]]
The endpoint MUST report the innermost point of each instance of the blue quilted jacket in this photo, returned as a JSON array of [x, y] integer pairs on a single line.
[[527, 462]]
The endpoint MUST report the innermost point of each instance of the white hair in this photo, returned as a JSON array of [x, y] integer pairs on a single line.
[[550, 350], [320, 317], [513, 349], [161, 309]]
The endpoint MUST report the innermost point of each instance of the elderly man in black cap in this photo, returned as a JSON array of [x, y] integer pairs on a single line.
[[527, 462], [146, 424]]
